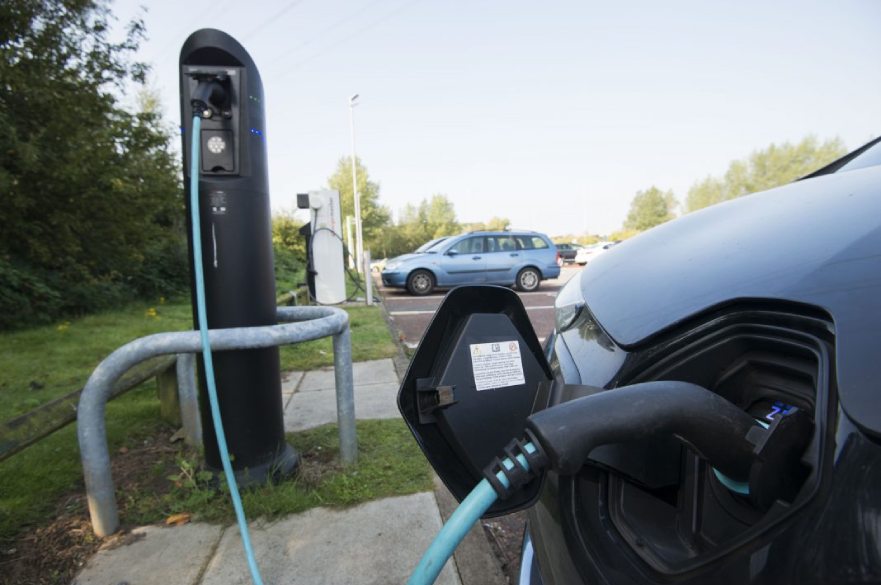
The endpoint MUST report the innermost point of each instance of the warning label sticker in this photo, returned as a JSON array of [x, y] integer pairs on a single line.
[[496, 365]]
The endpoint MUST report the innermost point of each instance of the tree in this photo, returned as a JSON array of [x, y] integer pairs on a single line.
[[92, 203], [764, 169], [622, 234], [374, 217], [584, 239], [650, 208], [495, 224], [417, 224], [430, 219], [440, 216]]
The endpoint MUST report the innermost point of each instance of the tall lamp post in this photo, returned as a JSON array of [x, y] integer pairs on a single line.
[[359, 242]]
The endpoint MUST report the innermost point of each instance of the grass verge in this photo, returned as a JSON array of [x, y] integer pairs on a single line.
[[370, 341], [39, 364], [42, 363], [389, 464], [156, 480], [32, 481]]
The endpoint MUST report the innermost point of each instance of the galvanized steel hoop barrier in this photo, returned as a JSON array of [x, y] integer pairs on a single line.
[[297, 324]]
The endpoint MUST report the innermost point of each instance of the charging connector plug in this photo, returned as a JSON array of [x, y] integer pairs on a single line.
[[212, 96], [524, 461], [777, 471], [720, 432]]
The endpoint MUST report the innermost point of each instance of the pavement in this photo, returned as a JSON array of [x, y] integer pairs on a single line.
[[374, 543]]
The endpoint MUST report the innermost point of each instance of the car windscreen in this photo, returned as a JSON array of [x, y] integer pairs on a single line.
[[429, 245], [868, 158]]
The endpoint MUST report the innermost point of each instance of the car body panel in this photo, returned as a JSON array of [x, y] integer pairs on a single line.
[[802, 258], [464, 268], [744, 249], [834, 540]]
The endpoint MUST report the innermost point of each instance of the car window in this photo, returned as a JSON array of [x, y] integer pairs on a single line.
[[501, 244], [524, 242], [472, 245], [531, 243], [869, 158]]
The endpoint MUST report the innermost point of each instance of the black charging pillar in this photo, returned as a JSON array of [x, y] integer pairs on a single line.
[[220, 83]]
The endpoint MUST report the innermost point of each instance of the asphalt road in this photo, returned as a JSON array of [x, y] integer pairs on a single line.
[[411, 315]]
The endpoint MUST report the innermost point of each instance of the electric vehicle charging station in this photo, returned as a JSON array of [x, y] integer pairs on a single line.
[[220, 83], [324, 245]]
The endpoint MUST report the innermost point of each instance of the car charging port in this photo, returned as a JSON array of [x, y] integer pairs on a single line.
[[731, 440]]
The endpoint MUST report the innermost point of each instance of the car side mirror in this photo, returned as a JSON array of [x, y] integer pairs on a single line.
[[450, 252], [471, 386]]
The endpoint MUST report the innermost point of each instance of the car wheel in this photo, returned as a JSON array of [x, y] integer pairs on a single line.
[[528, 279], [420, 282]]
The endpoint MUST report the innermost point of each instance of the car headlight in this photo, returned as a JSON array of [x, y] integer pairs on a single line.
[[569, 305], [392, 265]]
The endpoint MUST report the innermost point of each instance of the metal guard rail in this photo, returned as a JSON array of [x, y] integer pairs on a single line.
[[298, 324]]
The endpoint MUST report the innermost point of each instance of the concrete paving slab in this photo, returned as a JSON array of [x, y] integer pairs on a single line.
[[307, 410], [374, 372], [289, 381], [375, 543], [159, 556], [318, 380], [369, 372]]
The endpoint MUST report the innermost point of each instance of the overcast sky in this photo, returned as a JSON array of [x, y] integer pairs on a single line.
[[552, 114]]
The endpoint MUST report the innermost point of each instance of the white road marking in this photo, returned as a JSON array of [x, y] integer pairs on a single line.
[[414, 345], [432, 311], [414, 298]]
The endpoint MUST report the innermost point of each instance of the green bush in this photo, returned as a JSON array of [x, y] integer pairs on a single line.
[[31, 296], [165, 270], [289, 248], [25, 296], [91, 212]]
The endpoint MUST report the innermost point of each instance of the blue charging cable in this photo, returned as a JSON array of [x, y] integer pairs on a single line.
[[469, 511], [206, 354], [452, 533]]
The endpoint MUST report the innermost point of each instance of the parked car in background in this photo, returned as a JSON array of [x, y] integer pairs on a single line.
[[588, 253], [568, 251], [379, 265], [510, 258]]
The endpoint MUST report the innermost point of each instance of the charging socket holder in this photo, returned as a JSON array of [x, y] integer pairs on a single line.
[[221, 130]]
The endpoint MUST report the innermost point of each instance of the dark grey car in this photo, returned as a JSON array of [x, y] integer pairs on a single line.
[[709, 406]]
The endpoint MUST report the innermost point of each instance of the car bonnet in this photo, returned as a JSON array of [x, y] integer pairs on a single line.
[[816, 241]]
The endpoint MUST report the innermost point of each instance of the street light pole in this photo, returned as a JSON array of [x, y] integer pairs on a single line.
[[359, 242]]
